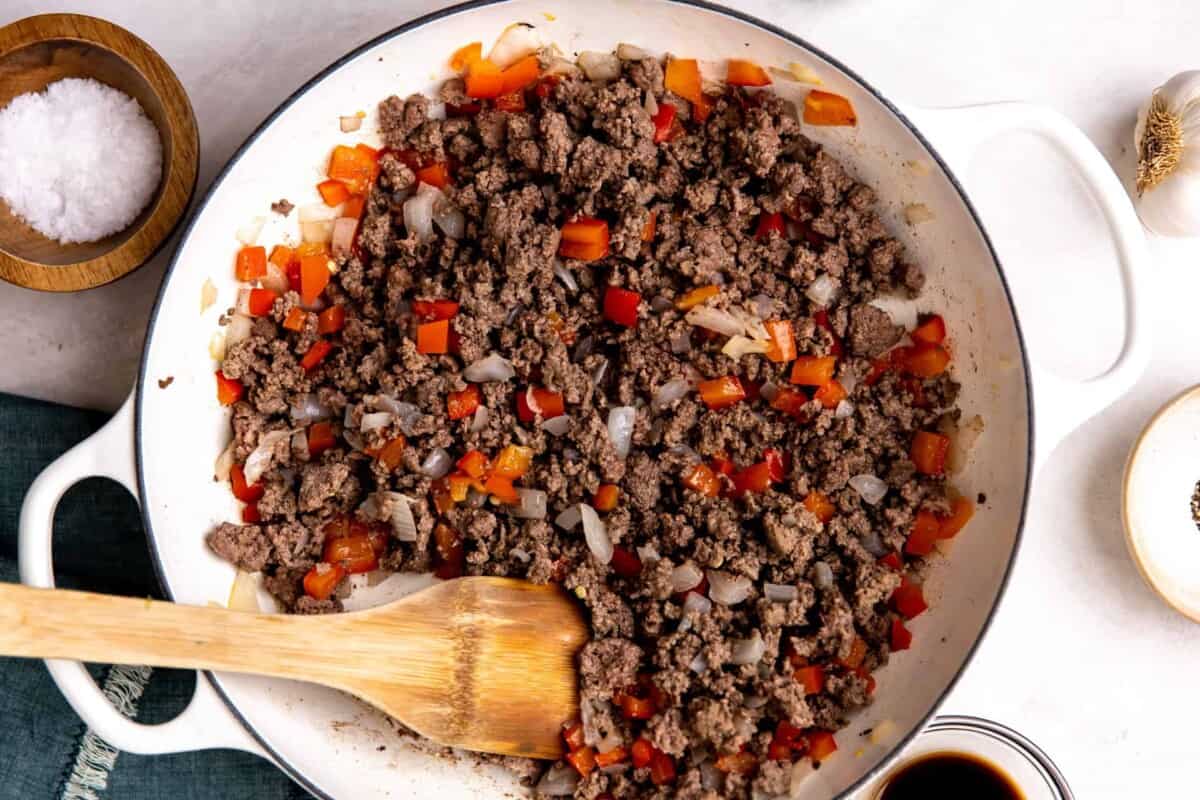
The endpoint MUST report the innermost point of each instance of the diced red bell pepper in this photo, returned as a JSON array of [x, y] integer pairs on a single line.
[[320, 438], [777, 465], [355, 554], [316, 354], [463, 404], [356, 167], [606, 497], [466, 55], [892, 561], [821, 319], [961, 511], [821, 745], [650, 226], [932, 330], [250, 514], [662, 769], [621, 306], [819, 505], [314, 277], [768, 224], [742, 763], [830, 394], [697, 296], [331, 319], [333, 192], [929, 452], [610, 757], [778, 751], [573, 736], [433, 337], [247, 493], [468, 109], [925, 531], [322, 579], [789, 735], [740, 72], [635, 707], [858, 652], [448, 552], [521, 75], [584, 239], [434, 310], [666, 127], [583, 759], [229, 391], [683, 78], [700, 478], [723, 466], [293, 275], [641, 753], [261, 301], [721, 392], [813, 370], [502, 489], [783, 343], [513, 461], [908, 600], [901, 636], [537, 400], [754, 478], [251, 263], [474, 463], [295, 319], [789, 401], [812, 678], [625, 563], [436, 174], [545, 87], [512, 103], [826, 108], [927, 361]]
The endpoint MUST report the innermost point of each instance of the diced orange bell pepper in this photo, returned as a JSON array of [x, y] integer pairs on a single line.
[[858, 652], [513, 461], [484, 80], [520, 75], [392, 453], [353, 166], [316, 354], [314, 277], [621, 306], [926, 361], [251, 263], [813, 370], [723, 466], [740, 72], [322, 579], [466, 55], [742, 763], [700, 478], [819, 505], [573, 736], [683, 78], [333, 192], [435, 174], [463, 404], [783, 343], [331, 319], [908, 600], [961, 511], [355, 554], [281, 256], [821, 745], [610, 757], [229, 391], [901, 636], [697, 296], [666, 126], [830, 394], [295, 319], [925, 531], [448, 549], [261, 301], [721, 392], [929, 452], [247, 493], [584, 239], [433, 337], [460, 486], [649, 228], [474, 463], [606, 497], [353, 207], [583, 759], [932, 330], [754, 478], [635, 707], [320, 438], [768, 224], [826, 108], [502, 489], [812, 678]]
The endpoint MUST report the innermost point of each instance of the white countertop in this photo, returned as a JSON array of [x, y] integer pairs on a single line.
[[1083, 658]]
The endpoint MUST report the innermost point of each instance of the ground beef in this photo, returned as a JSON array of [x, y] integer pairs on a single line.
[[682, 214]]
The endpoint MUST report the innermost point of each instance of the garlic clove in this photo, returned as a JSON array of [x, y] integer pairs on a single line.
[[1167, 143]]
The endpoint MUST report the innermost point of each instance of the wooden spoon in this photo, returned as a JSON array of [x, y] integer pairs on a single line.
[[480, 663]]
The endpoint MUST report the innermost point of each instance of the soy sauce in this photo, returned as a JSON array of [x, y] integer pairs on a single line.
[[950, 776]]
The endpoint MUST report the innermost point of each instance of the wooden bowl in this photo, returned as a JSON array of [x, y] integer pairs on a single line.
[[37, 51]]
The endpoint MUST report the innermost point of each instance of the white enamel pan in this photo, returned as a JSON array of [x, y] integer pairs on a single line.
[[163, 442]]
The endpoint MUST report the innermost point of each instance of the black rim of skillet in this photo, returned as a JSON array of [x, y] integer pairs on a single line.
[[296, 772]]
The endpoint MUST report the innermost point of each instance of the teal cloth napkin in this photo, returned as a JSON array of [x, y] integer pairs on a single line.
[[45, 750]]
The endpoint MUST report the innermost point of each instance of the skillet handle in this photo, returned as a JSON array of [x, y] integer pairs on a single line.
[[1061, 404], [207, 722]]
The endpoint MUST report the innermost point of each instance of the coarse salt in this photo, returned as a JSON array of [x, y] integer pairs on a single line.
[[79, 160]]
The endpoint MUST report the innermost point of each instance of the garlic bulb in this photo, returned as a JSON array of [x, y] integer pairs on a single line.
[[1167, 142]]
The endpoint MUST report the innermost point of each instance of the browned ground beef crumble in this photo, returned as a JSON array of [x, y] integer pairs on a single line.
[[518, 177]]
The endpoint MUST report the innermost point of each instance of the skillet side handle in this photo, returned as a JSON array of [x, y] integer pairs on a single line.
[[1060, 404], [206, 722]]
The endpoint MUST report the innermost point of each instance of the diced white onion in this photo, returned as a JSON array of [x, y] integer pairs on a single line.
[[518, 40], [715, 319], [224, 462], [480, 420], [595, 534], [408, 414], [374, 421], [248, 233], [822, 575], [216, 346], [243, 595], [342, 238], [681, 343], [437, 463], [561, 66], [648, 553], [520, 554], [600, 66], [599, 373], [686, 576], [557, 426], [693, 605], [300, 441], [532, 504], [317, 212], [822, 291], [780, 592], [350, 124], [764, 307], [238, 329], [399, 513], [667, 394], [747, 651], [660, 303], [566, 276], [558, 781], [320, 231], [258, 461], [307, 408], [688, 455], [620, 428], [650, 104], [844, 409], [569, 518], [872, 542], [726, 589], [242, 306], [418, 212], [450, 219], [276, 279], [869, 487], [629, 52], [492, 367], [902, 310], [738, 346], [699, 664]]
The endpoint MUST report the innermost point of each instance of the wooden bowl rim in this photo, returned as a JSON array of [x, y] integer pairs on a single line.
[[179, 181]]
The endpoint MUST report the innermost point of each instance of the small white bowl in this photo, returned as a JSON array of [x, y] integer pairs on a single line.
[[1160, 479]]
